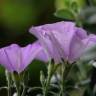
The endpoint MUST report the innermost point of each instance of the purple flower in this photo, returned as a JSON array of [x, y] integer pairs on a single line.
[[90, 50], [61, 40], [90, 41], [16, 58]]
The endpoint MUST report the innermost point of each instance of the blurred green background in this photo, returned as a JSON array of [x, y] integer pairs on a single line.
[[17, 16]]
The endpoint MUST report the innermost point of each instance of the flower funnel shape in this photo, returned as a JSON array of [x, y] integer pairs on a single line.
[[61, 40], [16, 58]]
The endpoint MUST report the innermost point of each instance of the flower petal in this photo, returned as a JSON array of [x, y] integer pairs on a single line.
[[10, 57], [76, 49], [31, 52], [81, 33], [61, 39]]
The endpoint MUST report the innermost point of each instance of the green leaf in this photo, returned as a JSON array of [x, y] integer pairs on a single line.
[[88, 15], [89, 54], [65, 14], [77, 92], [67, 2], [75, 7]]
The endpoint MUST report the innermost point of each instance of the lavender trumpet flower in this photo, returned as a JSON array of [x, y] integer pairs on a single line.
[[61, 40], [16, 58]]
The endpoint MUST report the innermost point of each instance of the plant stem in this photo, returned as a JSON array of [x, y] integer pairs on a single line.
[[8, 77], [24, 91], [65, 70], [16, 80], [62, 80], [47, 86], [9, 89], [51, 70], [18, 91], [45, 92]]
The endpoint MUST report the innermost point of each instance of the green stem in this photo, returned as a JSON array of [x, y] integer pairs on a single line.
[[46, 88], [65, 70], [33, 88], [45, 92], [18, 91], [62, 80], [8, 77], [16, 80], [9, 89], [51, 70], [17, 88], [24, 91]]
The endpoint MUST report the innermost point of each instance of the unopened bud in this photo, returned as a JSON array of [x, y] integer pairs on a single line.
[[42, 77]]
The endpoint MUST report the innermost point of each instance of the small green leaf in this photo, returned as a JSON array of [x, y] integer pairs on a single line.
[[89, 54], [42, 78], [75, 7], [65, 14], [88, 15], [67, 2], [77, 92]]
